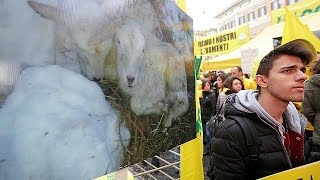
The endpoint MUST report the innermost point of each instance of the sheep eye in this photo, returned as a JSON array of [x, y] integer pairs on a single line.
[[118, 41], [143, 50]]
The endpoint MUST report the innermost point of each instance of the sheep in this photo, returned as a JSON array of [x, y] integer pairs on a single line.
[[79, 36], [151, 72], [86, 27], [56, 124]]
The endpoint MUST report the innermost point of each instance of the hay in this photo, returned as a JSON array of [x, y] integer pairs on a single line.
[[148, 137]]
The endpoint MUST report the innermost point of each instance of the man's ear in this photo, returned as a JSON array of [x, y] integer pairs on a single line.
[[262, 81]]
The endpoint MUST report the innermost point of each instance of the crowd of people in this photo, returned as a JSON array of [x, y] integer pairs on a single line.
[[252, 127]]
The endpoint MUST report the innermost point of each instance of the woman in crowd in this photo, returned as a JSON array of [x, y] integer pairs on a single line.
[[208, 107], [222, 91], [230, 85], [234, 85]]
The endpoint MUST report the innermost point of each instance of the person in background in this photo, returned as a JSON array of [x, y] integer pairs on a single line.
[[234, 85], [309, 73], [208, 109], [222, 91], [210, 76], [275, 124], [215, 83], [247, 83], [311, 109]]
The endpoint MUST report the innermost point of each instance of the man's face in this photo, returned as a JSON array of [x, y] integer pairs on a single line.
[[286, 79], [235, 72]]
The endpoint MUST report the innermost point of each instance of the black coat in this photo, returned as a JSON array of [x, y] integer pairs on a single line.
[[208, 105], [230, 155]]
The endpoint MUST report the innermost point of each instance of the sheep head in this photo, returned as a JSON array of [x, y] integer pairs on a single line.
[[130, 46]]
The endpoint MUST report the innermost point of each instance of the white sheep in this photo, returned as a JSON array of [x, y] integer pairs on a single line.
[[85, 29], [79, 34], [56, 124], [151, 72]]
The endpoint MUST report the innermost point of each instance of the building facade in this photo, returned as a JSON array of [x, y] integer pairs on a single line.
[[257, 13]]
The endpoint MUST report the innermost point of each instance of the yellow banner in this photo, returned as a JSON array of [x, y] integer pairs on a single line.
[[182, 5], [300, 9], [223, 42], [306, 172], [212, 65], [191, 152]]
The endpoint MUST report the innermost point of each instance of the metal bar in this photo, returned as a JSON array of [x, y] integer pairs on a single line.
[[144, 171], [169, 163], [157, 169], [174, 153]]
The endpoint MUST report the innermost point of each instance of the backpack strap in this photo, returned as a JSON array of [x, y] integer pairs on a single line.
[[252, 139]]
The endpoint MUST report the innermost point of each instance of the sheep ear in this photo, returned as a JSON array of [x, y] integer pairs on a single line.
[[102, 33], [49, 12]]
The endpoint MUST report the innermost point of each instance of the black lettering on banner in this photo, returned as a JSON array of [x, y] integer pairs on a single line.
[[311, 178], [217, 40], [199, 44], [224, 37], [216, 48]]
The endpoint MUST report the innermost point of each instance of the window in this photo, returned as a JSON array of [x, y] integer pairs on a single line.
[[275, 5], [292, 2], [241, 20], [251, 16], [221, 28], [233, 23], [262, 11]]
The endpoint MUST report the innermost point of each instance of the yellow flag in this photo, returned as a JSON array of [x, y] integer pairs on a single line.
[[182, 5], [300, 9], [192, 151], [294, 29]]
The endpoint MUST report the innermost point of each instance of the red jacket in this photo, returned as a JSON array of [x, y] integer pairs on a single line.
[[294, 143]]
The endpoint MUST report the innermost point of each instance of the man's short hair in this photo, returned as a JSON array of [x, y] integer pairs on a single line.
[[239, 68], [300, 48]]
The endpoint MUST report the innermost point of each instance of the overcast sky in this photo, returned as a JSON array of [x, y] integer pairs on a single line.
[[202, 11]]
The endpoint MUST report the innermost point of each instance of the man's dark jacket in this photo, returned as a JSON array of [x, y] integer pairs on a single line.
[[230, 154]]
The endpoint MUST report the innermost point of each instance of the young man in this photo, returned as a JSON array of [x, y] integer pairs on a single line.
[[269, 111], [236, 71]]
